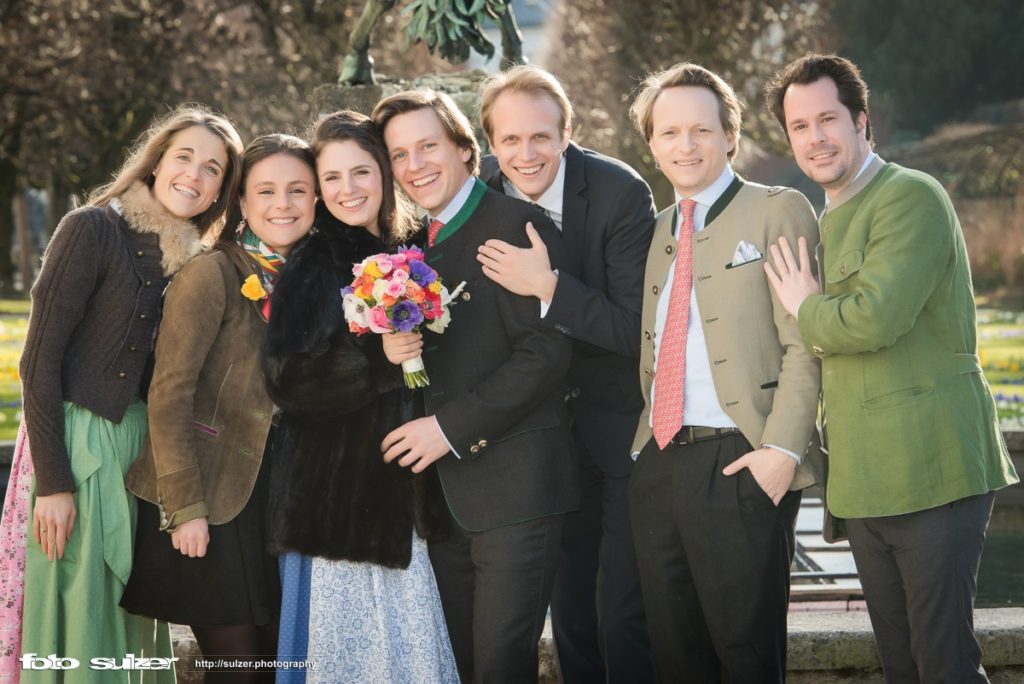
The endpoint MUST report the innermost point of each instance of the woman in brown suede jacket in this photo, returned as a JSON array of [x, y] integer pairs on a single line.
[[202, 469]]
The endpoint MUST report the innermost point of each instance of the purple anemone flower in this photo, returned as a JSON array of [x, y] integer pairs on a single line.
[[421, 274], [405, 316]]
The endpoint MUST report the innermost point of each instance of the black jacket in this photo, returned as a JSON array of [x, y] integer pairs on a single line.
[[332, 495], [607, 224], [497, 382]]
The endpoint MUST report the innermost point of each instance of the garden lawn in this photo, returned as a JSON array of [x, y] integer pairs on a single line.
[[1001, 347]]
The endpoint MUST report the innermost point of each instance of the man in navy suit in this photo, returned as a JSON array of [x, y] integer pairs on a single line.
[[606, 215]]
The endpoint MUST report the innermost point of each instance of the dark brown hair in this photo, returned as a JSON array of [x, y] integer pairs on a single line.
[[395, 217], [730, 111], [455, 124], [259, 149], [853, 91]]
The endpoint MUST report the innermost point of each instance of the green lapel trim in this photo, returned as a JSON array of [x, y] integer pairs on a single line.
[[723, 200], [718, 207], [459, 220]]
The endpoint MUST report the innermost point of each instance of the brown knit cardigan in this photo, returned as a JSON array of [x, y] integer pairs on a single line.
[[95, 309]]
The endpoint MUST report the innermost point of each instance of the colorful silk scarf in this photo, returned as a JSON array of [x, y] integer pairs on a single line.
[[270, 262]]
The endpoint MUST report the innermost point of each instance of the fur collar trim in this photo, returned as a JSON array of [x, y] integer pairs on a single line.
[[179, 238]]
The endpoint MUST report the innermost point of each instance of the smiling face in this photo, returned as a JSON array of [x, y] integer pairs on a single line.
[[527, 140], [687, 138], [829, 145], [428, 165], [188, 177], [278, 199], [351, 184]]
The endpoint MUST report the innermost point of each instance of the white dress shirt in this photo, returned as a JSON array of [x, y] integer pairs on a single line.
[[550, 201], [700, 401], [453, 207]]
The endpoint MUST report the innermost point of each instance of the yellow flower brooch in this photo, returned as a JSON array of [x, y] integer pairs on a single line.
[[252, 288]]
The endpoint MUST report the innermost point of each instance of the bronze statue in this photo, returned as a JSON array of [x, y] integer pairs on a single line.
[[449, 26]]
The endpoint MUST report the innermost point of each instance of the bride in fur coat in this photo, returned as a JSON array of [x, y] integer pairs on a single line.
[[359, 600]]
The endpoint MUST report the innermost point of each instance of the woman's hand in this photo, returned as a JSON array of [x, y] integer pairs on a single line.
[[52, 522], [399, 347], [192, 538]]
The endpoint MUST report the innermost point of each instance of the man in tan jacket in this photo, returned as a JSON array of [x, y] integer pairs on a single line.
[[730, 397]]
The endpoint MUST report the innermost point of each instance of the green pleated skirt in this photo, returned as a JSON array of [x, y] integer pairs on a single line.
[[71, 604]]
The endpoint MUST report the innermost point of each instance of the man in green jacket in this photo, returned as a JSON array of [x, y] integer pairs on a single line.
[[915, 449]]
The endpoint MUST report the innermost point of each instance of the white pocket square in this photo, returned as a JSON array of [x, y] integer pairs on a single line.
[[745, 253]]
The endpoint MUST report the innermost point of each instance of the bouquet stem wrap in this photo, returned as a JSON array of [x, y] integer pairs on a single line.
[[415, 373]]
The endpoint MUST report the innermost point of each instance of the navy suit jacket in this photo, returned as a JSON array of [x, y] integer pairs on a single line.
[[497, 383], [607, 223]]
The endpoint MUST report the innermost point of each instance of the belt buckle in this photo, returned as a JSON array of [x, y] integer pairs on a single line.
[[683, 437]]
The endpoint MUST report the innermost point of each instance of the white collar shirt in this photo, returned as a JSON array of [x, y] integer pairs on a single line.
[[550, 201], [700, 401]]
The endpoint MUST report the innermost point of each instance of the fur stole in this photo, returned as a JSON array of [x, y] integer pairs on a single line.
[[179, 238], [332, 495]]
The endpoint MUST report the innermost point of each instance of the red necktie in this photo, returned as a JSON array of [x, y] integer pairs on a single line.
[[432, 231], [667, 415]]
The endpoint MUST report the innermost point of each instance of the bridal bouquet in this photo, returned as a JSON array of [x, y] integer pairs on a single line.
[[398, 293]]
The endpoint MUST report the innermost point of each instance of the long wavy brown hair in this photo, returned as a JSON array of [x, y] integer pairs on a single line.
[[150, 147]]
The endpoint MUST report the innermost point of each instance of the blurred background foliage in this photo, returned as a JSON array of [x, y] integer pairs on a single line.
[[81, 78]]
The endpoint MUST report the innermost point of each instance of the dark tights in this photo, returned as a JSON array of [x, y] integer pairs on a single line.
[[238, 642]]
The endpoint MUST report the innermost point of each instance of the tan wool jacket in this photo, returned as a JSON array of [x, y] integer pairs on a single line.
[[767, 382], [209, 412]]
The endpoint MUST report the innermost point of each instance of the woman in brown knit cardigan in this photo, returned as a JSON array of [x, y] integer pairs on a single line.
[[95, 309]]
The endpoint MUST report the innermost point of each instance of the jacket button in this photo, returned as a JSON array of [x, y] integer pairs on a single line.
[[647, 334], [668, 249], [482, 444], [842, 270], [818, 350], [147, 283], [122, 375], [140, 253], [466, 296], [132, 347], [474, 449], [654, 289], [142, 317]]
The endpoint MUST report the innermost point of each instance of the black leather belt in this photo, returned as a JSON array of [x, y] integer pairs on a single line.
[[696, 433]]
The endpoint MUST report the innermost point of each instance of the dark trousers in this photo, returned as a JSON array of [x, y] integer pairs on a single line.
[[919, 572], [495, 587], [597, 611], [714, 555]]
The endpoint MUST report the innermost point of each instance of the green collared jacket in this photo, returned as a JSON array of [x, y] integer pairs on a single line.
[[911, 420]]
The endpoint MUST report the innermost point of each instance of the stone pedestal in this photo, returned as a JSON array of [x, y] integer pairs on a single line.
[[463, 86]]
